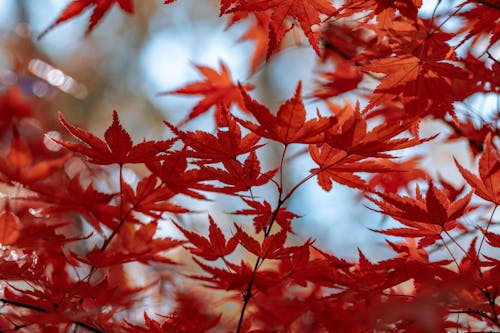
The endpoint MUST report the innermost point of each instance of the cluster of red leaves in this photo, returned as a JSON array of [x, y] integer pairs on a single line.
[[71, 245]]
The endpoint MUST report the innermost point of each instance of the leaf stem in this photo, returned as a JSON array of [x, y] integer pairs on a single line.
[[473, 260], [267, 230], [122, 219], [108, 240], [486, 230], [451, 253]]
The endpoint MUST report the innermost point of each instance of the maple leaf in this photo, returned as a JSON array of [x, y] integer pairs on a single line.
[[384, 10], [117, 147], [475, 136], [240, 176], [218, 89], [306, 12], [413, 78], [9, 226], [344, 78], [299, 265], [76, 7], [492, 238], [343, 41], [174, 173], [258, 33], [19, 165], [425, 217], [236, 277], [409, 251], [450, 190], [137, 245], [481, 19], [14, 106], [150, 197], [48, 240], [419, 67], [225, 145], [487, 186], [141, 240], [214, 247], [482, 79], [289, 125], [350, 134], [53, 305], [271, 247], [336, 165], [98, 296], [191, 315], [264, 214], [92, 204], [401, 174]]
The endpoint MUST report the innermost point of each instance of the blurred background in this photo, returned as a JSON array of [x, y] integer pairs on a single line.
[[129, 59]]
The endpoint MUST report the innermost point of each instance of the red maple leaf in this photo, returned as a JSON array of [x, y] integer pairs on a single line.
[[413, 78], [426, 217], [336, 165], [214, 247], [93, 205], [492, 238], [343, 41], [236, 277], [419, 65], [265, 214], [191, 315], [306, 12], [468, 130], [101, 7], [240, 176], [289, 125], [345, 78], [174, 174], [136, 245], [225, 145], [351, 135], [10, 226], [401, 174], [481, 20], [259, 34], [117, 147], [218, 88], [14, 106], [270, 248], [488, 185], [384, 10], [18, 164], [150, 197]]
